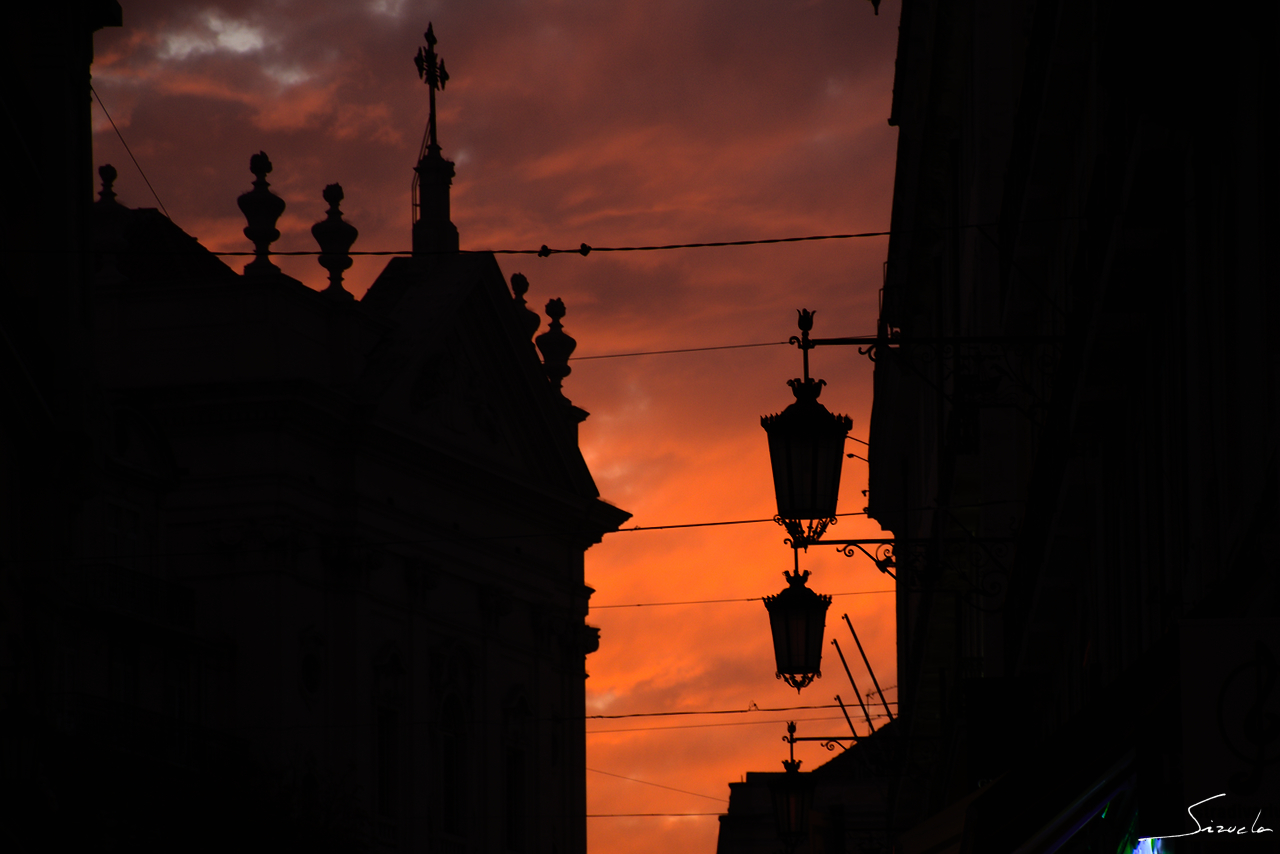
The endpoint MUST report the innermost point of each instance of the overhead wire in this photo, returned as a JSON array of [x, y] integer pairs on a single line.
[[657, 785], [682, 712], [582, 249], [651, 814], [711, 524], [721, 724], [752, 708], [128, 150], [720, 601], [380, 543], [682, 350]]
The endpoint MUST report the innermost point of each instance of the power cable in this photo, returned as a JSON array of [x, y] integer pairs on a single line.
[[684, 350], [650, 814], [365, 544], [709, 524], [718, 724], [560, 719], [583, 249], [719, 601], [752, 708], [130, 151], [658, 785]]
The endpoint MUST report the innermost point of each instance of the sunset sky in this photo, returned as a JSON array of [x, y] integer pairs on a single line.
[[614, 123]]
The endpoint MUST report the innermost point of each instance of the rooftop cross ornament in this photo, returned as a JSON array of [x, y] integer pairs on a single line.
[[433, 230], [432, 72]]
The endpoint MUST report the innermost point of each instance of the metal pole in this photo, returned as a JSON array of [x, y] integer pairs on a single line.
[[874, 681], [858, 693], [846, 715]]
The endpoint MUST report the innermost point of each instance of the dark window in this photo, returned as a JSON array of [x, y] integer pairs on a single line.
[[388, 767], [178, 685], [124, 671], [515, 819], [453, 770]]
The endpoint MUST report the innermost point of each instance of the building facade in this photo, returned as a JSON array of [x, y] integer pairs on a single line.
[[317, 579], [846, 802], [1073, 437]]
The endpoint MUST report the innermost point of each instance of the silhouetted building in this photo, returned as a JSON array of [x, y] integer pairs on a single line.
[[846, 811], [1074, 431], [317, 581]]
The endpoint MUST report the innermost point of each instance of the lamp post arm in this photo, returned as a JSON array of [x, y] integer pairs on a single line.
[[853, 341], [829, 742]]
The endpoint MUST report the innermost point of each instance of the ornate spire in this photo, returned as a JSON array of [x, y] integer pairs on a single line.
[[261, 208], [108, 174], [110, 220], [556, 347], [433, 231], [335, 238]]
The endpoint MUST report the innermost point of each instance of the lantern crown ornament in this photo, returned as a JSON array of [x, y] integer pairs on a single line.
[[797, 619]]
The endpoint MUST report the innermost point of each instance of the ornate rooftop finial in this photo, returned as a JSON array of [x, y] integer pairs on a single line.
[[110, 221], [433, 231], [335, 238], [556, 347], [432, 72], [261, 208], [529, 317], [108, 174]]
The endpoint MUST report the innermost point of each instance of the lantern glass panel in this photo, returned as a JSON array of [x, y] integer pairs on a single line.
[[797, 618], [806, 451], [792, 796]]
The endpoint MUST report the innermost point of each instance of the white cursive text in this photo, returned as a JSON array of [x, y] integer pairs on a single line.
[[1209, 828]]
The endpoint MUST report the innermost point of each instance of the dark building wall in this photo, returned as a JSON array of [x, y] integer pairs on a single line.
[[377, 516], [846, 811], [1073, 433], [281, 570]]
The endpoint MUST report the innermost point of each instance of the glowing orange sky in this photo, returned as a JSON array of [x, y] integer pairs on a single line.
[[618, 123]]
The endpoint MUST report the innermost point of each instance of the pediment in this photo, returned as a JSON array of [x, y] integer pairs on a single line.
[[458, 371]]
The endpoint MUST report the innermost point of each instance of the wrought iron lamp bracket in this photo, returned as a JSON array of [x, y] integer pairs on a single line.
[[802, 535], [830, 742], [1023, 394]]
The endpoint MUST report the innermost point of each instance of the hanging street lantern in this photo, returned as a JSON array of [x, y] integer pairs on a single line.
[[806, 451], [792, 796], [797, 618]]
